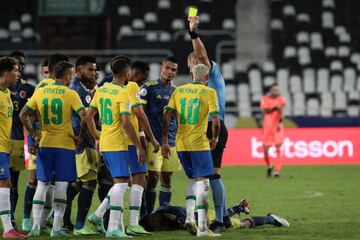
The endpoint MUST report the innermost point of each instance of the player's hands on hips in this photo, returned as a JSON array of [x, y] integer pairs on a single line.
[[193, 23], [213, 143], [32, 150], [165, 150], [156, 145], [141, 155]]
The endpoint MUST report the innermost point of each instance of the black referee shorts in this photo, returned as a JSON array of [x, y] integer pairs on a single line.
[[217, 153]]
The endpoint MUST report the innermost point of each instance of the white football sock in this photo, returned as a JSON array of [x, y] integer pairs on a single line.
[[135, 198], [5, 209], [116, 205], [104, 206], [59, 204], [191, 200], [48, 207], [202, 191], [38, 203]]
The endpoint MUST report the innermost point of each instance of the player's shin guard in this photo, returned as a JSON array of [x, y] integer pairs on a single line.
[[59, 204], [38, 203], [28, 198], [84, 203], [150, 199], [135, 198], [218, 191], [202, 191], [116, 206], [164, 196], [48, 207], [71, 192], [5, 209], [191, 199], [278, 161]]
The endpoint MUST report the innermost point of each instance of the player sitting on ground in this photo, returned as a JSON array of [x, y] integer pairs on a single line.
[[169, 218]]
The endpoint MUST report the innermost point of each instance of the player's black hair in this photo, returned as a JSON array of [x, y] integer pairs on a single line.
[[55, 59], [45, 63], [119, 65], [140, 65], [171, 59], [83, 60], [16, 54], [7, 64], [124, 58], [61, 68]]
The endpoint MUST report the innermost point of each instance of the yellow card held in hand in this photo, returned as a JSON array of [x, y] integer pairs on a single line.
[[193, 12]]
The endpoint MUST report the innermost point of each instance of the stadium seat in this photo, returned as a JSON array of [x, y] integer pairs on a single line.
[[154, 71], [353, 111], [309, 80], [231, 93], [299, 104], [349, 79], [164, 4], [14, 26], [228, 70], [228, 24], [150, 17], [124, 10], [177, 24], [295, 84], [340, 101], [138, 24], [322, 80], [312, 107], [26, 18], [336, 83], [4, 34]]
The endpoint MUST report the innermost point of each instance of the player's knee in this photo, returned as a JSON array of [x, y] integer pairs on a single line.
[[166, 179], [5, 183], [153, 178], [215, 176], [139, 179]]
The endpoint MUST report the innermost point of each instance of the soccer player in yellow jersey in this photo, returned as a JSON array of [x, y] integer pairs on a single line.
[[112, 103], [192, 104], [54, 59], [9, 73], [56, 154]]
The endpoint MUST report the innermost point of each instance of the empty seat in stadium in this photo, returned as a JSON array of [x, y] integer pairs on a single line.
[[312, 107], [269, 67], [151, 36], [354, 96], [231, 120], [304, 57], [309, 80], [269, 80], [164, 4], [343, 51], [336, 83], [30, 69], [345, 38], [164, 36], [289, 52], [295, 84], [228, 24], [255, 81], [228, 70], [328, 3], [316, 41], [125, 31], [14, 26], [322, 80], [336, 65], [154, 71], [353, 111], [4, 34], [138, 24], [327, 19], [355, 58], [243, 92], [231, 93], [101, 76], [349, 79], [282, 76], [16, 39], [303, 18], [150, 17], [340, 102], [108, 68], [28, 33], [330, 52], [298, 104], [302, 38], [289, 10], [26, 18], [177, 24], [204, 17], [124, 10], [255, 98], [276, 24], [339, 30], [288, 108]]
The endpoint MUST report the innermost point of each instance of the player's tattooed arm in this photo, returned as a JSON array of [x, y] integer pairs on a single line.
[[198, 46], [25, 117], [215, 131], [165, 149]]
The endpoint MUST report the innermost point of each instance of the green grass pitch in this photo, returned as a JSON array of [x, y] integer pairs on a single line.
[[320, 202]]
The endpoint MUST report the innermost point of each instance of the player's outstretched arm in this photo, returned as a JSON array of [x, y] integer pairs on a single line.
[[130, 132], [165, 149], [198, 46], [144, 124], [215, 131]]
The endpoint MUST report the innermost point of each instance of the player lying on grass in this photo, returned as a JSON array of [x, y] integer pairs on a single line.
[[168, 218]]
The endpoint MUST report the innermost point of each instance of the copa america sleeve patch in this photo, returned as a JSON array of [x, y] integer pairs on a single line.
[[143, 92]]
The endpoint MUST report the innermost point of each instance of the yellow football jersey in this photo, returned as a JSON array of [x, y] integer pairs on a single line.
[[6, 111], [134, 100], [193, 103], [45, 82], [112, 101], [55, 103]]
